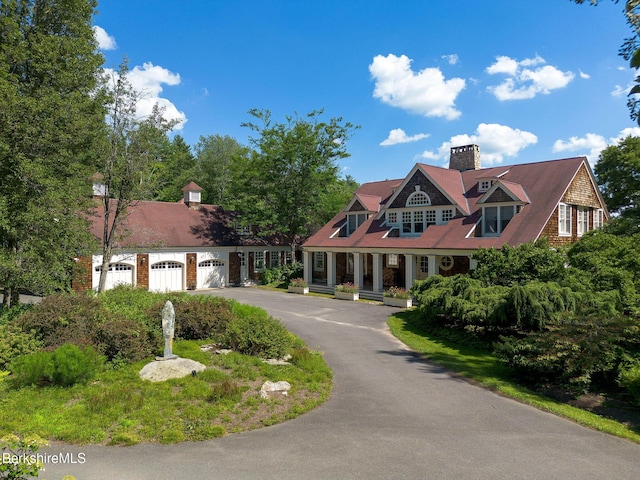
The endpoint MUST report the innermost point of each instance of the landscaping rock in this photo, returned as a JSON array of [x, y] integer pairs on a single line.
[[162, 370], [274, 388]]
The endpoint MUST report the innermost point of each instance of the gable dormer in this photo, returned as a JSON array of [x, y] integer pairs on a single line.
[[358, 211], [500, 204]]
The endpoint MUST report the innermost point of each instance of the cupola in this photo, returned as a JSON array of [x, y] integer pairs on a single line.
[[192, 195]]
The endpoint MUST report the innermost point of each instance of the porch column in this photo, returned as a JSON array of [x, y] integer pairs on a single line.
[[331, 269], [409, 271], [377, 272], [358, 272], [307, 264], [433, 266]]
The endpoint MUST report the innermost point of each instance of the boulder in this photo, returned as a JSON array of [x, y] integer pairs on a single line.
[[270, 388], [161, 370]]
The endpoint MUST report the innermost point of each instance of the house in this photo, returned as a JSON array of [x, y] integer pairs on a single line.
[[431, 222], [177, 246]]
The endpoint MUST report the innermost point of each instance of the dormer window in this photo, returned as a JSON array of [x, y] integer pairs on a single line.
[[484, 185], [243, 229], [354, 220], [496, 219]]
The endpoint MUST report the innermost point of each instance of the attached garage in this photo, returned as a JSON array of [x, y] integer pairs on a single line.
[[211, 274], [118, 274], [166, 277]]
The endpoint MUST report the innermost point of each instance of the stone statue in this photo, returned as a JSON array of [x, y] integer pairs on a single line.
[[168, 327]]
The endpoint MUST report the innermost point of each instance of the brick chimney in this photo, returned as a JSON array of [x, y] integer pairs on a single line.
[[192, 195], [465, 158]]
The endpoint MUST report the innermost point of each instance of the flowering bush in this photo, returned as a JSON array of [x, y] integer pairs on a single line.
[[396, 292], [298, 282], [347, 287]]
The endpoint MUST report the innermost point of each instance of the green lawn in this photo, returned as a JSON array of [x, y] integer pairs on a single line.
[[483, 368]]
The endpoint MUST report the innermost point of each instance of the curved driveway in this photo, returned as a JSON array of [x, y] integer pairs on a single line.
[[391, 416]]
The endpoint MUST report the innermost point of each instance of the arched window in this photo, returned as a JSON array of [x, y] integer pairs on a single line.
[[417, 199]]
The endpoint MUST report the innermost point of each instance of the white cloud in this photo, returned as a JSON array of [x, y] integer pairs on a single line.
[[105, 41], [425, 92], [452, 59], [398, 135], [523, 82], [496, 142], [149, 80], [586, 76], [592, 144]]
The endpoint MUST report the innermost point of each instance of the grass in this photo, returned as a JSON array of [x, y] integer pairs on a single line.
[[483, 368], [118, 408]]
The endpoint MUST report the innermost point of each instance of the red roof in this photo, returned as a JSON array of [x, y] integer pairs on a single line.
[[541, 185], [167, 224]]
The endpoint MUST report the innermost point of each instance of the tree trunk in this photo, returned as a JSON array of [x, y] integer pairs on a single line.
[[104, 270]]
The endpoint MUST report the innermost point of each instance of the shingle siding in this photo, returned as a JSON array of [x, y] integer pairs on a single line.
[[437, 198]]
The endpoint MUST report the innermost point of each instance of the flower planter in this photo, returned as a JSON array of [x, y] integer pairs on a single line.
[[298, 290], [397, 302], [347, 296]]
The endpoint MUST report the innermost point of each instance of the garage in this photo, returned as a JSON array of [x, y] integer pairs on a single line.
[[211, 274], [166, 277], [118, 274]]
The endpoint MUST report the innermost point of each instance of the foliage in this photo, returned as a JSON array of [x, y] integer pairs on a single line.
[[629, 379], [65, 366], [526, 262], [256, 333], [618, 174], [22, 454], [50, 123], [281, 273], [396, 292], [347, 287], [280, 184], [298, 282], [15, 342], [174, 170]]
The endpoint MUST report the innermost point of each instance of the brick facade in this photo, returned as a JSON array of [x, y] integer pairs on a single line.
[[142, 270], [192, 271], [82, 276]]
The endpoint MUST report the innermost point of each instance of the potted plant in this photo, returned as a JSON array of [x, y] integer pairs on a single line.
[[347, 291], [397, 297], [298, 285]]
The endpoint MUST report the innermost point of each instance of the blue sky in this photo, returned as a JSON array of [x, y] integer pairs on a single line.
[[526, 80]]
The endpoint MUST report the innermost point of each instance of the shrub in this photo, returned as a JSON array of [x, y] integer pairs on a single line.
[[282, 273], [7, 315], [259, 335], [65, 366], [347, 287], [298, 282], [629, 379], [23, 448], [122, 339], [396, 292], [14, 342]]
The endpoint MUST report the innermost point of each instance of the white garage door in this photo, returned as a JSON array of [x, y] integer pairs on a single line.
[[118, 274], [165, 277], [211, 274]]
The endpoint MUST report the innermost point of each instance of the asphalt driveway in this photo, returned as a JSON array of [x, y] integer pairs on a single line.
[[391, 416]]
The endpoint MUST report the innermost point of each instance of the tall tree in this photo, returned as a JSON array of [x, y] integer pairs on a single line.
[[216, 155], [132, 154], [291, 164], [618, 173], [176, 169], [51, 116]]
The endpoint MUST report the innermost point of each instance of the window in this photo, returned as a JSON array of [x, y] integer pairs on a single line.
[[243, 259], [406, 222], [418, 198], [496, 219], [598, 218], [484, 185], [418, 221], [446, 262], [258, 261], [392, 259], [430, 217], [274, 259], [354, 221], [392, 217], [243, 229], [424, 264], [287, 257], [564, 219], [447, 215], [583, 220], [318, 261]]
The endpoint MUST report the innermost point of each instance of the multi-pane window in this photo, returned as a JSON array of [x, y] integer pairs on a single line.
[[406, 222], [424, 264], [243, 229], [447, 215], [274, 259], [418, 198], [496, 219], [564, 219], [583, 220], [354, 221], [318, 261], [258, 261], [392, 217], [598, 218], [287, 257], [484, 185], [392, 260], [418, 221], [430, 217]]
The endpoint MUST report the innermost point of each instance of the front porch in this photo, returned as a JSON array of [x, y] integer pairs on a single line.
[[375, 272]]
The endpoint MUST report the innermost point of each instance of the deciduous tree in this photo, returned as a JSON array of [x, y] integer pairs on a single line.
[[51, 116]]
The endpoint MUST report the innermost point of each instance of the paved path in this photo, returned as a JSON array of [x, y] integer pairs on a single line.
[[390, 416]]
